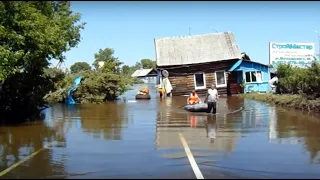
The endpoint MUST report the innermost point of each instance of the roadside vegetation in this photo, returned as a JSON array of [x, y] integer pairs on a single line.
[[297, 88], [100, 84]]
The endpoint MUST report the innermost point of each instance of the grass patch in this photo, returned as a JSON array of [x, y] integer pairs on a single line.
[[286, 100]]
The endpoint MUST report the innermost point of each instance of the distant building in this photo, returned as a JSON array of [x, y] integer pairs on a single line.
[[147, 75], [101, 64]]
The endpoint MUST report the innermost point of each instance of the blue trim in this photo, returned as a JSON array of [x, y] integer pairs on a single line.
[[237, 64]]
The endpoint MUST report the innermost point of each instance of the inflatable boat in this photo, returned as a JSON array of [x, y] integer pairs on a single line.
[[143, 96], [201, 107]]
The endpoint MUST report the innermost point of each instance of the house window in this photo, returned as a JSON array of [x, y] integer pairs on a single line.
[[199, 81], [253, 76], [221, 79]]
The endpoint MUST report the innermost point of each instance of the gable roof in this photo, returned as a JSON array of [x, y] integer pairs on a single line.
[[196, 49], [141, 72], [238, 63]]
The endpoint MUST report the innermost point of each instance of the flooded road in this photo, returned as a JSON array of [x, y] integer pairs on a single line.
[[140, 139]]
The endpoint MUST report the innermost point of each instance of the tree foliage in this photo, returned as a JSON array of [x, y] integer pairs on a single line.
[[31, 34], [110, 61], [148, 64], [126, 70], [79, 66], [103, 84], [137, 66]]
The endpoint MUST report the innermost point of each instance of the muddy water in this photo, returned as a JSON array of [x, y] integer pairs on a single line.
[[141, 140]]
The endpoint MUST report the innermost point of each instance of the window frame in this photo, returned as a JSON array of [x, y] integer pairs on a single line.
[[225, 79], [195, 82], [251, 76]]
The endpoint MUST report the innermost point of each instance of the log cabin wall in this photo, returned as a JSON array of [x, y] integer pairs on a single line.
[[182, 76]]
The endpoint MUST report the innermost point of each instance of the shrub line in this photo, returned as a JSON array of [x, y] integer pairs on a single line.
[[286, 100]]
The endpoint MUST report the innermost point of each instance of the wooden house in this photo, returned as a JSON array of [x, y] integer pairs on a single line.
[[197, 62]]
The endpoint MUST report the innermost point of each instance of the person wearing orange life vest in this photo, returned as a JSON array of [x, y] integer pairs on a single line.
[[144, 91], [193, 98]]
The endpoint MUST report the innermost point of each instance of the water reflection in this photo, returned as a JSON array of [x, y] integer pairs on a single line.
[[18, 142], [200, 129], [104, 121], [211, 128], [298, 128], [139, 139]]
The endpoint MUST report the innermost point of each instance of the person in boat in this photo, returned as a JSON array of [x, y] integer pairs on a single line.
[[144, 91], [193, 98], [211, 99]]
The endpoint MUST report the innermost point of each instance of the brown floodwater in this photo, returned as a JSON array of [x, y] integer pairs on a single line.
[[140, 139]]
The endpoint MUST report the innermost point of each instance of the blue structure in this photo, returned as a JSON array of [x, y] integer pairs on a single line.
[[255, 75], [76, 83]]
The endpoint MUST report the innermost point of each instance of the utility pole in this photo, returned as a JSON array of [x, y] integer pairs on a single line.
[[189, 31], [318, 44]]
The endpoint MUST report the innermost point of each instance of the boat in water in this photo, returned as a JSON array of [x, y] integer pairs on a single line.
[[201, 107]]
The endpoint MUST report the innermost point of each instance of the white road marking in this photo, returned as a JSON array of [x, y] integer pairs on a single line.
[[23, 160], [192, 161]]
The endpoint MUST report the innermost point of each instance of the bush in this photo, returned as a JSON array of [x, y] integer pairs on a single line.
[[302, 81], [96, 87], [287, 100]]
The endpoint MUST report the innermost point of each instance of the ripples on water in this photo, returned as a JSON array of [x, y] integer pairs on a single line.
[[140, 139]]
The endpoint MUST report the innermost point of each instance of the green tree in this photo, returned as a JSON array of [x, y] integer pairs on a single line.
[[56, 75], [137, 66], [126, 70], [106, 55], [148, 64], [79, 66], [105, 84], [31, 34]]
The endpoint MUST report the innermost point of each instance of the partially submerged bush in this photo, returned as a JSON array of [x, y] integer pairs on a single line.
[[95, 87], [287, 100], [99, 87]]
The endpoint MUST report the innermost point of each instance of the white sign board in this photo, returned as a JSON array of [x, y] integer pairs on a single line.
[[296, 54]]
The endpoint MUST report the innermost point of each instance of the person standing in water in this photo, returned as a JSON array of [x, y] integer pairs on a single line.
[[211, 99], [161, 92]]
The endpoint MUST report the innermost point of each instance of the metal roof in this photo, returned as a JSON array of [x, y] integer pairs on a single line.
[[238, 63], [141, 72], [196, 49]]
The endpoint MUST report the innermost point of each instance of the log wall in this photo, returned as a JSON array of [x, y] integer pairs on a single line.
[[182, 77]]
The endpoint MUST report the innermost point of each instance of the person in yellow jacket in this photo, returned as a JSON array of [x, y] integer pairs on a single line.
[[161, 92]]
